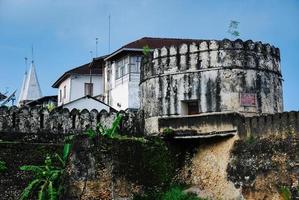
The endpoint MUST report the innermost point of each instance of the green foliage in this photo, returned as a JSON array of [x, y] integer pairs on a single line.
[[47, 177], [233, 28], [285, 193], [104, 130], [2, 166], [173, 193], [50, 106], [146, 54], [168, 131], [177, 193], [114, 130], [250, 140], [146, 50]]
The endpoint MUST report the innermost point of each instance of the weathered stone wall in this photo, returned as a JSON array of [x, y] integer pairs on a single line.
[[214, 73], [62, 121], [103, 168], [260, 167], [218, 123]]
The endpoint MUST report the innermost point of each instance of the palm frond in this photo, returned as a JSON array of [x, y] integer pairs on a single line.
[[35, 169], [27, 191], [51, 191], [42, 192], [66, 151]]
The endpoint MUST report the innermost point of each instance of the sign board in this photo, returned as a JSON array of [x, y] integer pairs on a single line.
[[248, 99]]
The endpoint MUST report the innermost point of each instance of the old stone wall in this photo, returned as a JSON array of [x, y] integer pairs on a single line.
[[218, 123], [215, 74], [103, 168], [62, 121]]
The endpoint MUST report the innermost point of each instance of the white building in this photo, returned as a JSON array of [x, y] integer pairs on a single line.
[[122, 71], [113, 79], [82, 87]]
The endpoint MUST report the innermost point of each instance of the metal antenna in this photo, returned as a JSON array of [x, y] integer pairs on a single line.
[[32, 55], [109, 34], [97, 47], [26, 65], [91, 55]]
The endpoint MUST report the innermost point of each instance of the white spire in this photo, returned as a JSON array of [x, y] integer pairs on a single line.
[[31, 89], [21, 97]]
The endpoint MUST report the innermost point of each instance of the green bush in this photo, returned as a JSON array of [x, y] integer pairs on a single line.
[[285, 193], [173, 193], [177, 193]]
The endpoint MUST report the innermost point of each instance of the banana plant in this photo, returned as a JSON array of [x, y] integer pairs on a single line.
[[46, 177], [110, 132]]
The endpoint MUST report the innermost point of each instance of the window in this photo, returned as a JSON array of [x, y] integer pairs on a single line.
[[135, 64], [64, 92], [189, 107], [193, 108], [122, 67], [60, 95], [88, 89]]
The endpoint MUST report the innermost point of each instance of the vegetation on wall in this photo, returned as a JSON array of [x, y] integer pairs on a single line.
[[174, 192], [2, 166], [46, 183]]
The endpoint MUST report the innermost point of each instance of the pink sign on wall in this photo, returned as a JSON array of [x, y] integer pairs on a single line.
[[248, 99]]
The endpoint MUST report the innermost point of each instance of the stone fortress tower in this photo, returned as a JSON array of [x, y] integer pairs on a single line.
[[212, 76]]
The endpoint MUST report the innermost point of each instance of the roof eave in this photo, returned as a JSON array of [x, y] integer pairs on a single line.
[[61, 79], [121, 50]]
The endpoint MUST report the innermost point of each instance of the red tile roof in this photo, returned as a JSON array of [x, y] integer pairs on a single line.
[[152, 43], [158, 42]]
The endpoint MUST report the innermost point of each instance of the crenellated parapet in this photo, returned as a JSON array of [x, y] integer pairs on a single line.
[[60, 121], [213, 54], [215, 75]]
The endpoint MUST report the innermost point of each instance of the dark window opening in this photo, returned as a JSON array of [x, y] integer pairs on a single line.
[[88, 89], [190, 107], [193, 108]]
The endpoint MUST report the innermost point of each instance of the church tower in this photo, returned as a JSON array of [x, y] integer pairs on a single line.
[[30, 87]]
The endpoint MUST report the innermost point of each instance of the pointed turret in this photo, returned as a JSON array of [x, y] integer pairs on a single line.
[[30, 89]]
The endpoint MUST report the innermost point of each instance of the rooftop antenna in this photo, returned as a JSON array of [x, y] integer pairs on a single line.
[[97, 47], [32, 54], [91, 55], [26, 64], [109, 31]]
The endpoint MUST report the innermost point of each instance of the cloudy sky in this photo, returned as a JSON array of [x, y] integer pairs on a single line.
[[63, 32]]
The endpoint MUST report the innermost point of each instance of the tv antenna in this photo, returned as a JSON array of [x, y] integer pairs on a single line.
[[109, 32], [97, 47], [26, 64], [32, 55]]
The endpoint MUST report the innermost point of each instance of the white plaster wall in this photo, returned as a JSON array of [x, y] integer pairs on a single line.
[[88, 104], [62, 100], [119, 96], [77, 85], [124, 91]]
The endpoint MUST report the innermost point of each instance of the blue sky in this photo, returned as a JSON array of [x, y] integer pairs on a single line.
[[63, 32]]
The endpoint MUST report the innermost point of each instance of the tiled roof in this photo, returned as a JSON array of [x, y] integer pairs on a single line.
[[152, 43], [96, 67], [158, 42]]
